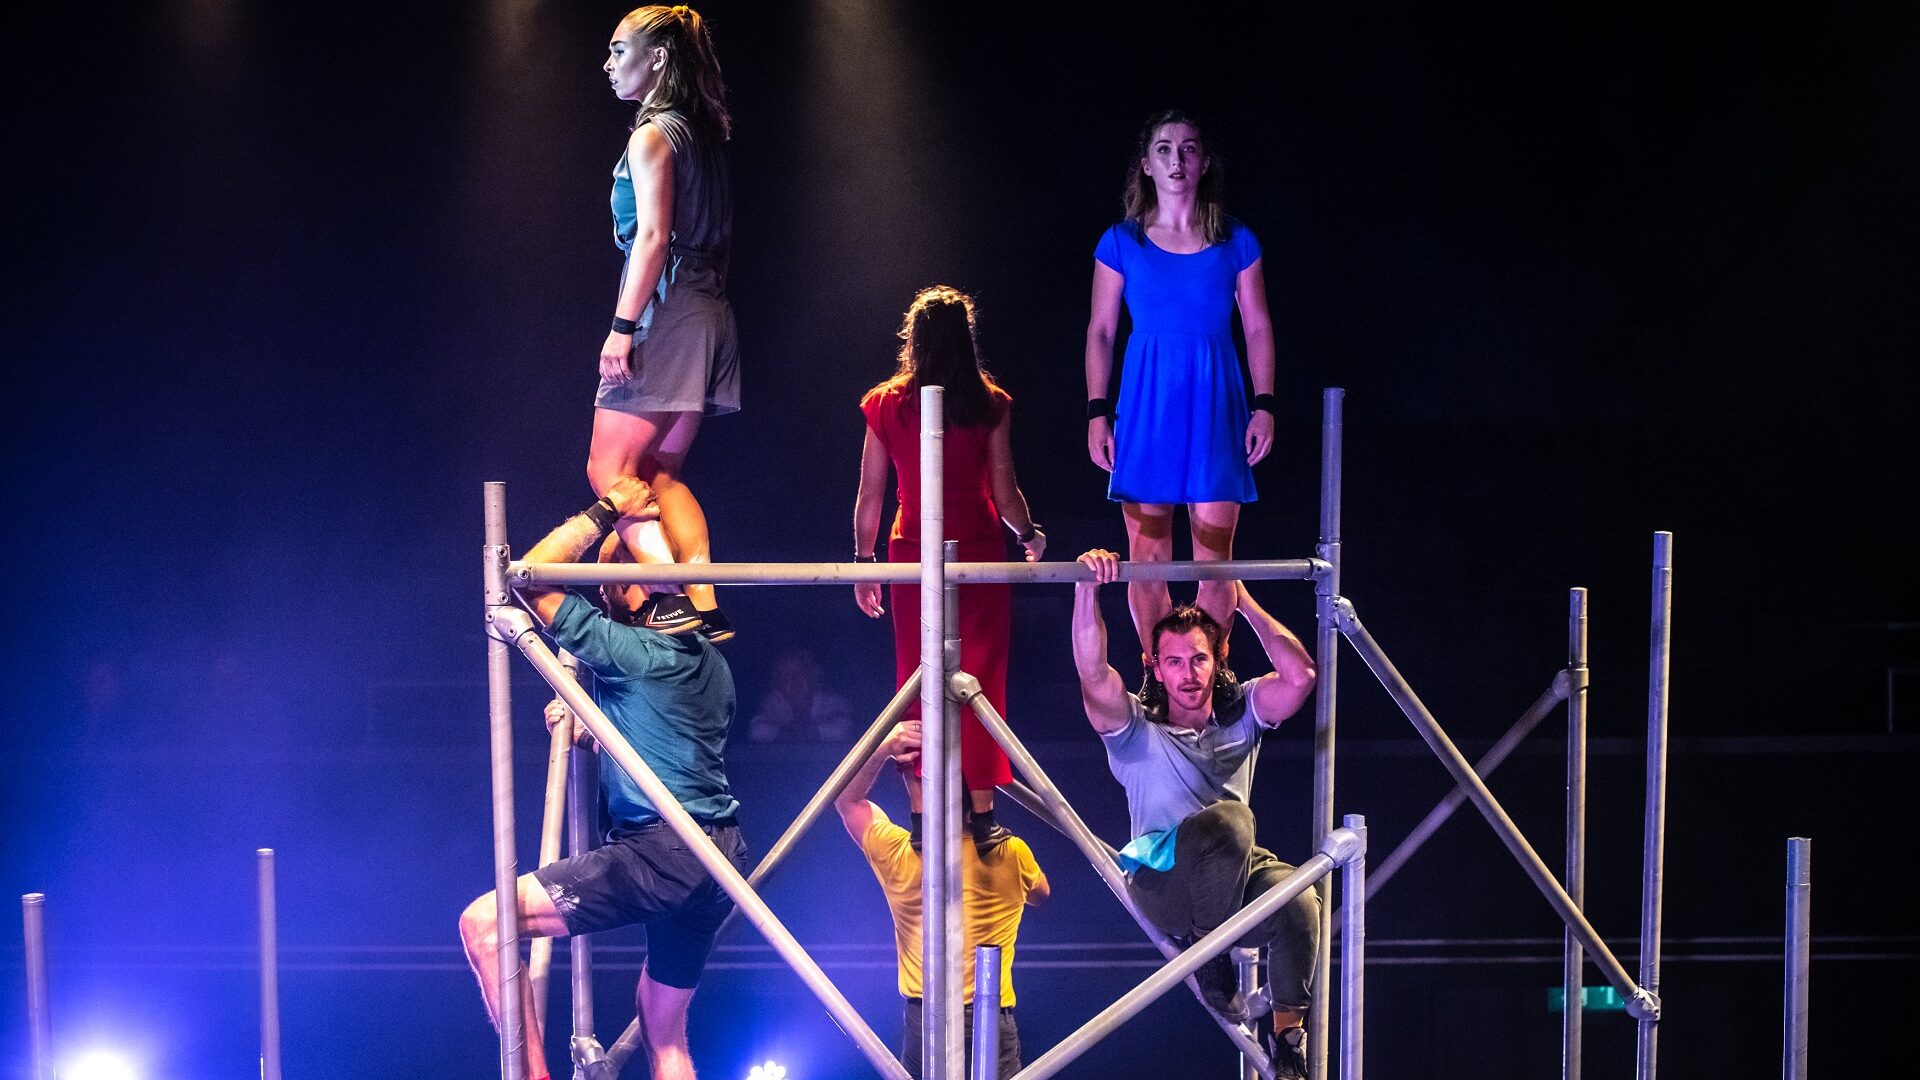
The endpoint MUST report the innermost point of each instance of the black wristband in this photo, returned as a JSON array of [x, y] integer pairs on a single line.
[[1099, 407], [1033, 530], [624, 326], [1264, 401], [602, 514], [865, 558]]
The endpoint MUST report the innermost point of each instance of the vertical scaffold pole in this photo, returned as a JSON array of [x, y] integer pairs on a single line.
[[944, 1055], [500, 744], [1573, 960], [1353, 953], [583, 812], [1793, 1054], [33, 925], [269, 970], [1325, 659], [1654, 835], [1246, 970], [986, 1013]]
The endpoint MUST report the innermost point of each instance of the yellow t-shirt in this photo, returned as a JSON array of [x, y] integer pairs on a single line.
[[994, 892]]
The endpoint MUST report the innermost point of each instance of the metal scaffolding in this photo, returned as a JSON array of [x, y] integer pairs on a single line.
[[943, 689]]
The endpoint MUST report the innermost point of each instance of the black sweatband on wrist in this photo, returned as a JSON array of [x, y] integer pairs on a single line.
[[1033, 530], [602, 514], [865, 558], [624, 326], [1266, 402], [1099, 407]]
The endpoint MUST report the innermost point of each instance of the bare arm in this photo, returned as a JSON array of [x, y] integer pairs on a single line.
[[1102, 324], [650, 164], [1250, 293], [1007, 496], [1101, 690], [856, 810], [1278, 697], [868, 503], [631, 497]]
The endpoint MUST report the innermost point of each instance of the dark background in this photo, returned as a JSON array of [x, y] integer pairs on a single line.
[[291, 281]]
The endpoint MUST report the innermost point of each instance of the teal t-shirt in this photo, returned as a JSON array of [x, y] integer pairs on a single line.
[[672, 697]]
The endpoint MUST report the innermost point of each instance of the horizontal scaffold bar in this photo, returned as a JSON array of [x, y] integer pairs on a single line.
[[522, 574]]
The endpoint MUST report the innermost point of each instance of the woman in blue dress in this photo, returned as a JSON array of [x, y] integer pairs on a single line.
[[673, 355], [1181, 432]]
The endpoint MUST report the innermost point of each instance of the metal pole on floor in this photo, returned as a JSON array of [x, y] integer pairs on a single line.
[[553, 811], [1246, 968], [943, 1054], [1793, 1053], [1353, 951], [1326, 656], [986, 1013], [506, 871], [1654, 836], [33, 908], [1572, 963], [269, 970]]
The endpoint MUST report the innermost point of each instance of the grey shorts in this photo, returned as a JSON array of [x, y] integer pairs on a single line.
[[649, 876], [686, 358]]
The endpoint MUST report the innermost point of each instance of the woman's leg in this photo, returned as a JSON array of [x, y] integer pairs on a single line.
[[986, 622], [680, 513], [1149, 539], [653, 446], [1213, 524]]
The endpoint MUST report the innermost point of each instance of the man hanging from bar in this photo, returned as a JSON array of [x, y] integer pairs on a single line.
[[996, 885], [1184, 748], [672, 697]]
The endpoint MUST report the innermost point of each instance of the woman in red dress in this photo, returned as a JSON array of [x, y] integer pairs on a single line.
[[939, 348]]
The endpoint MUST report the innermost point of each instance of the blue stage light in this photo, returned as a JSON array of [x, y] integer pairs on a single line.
[[100, 1065], [771, 1070]]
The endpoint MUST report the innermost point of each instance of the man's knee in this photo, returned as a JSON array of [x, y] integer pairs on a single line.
[[480, 924], [1227, 825]]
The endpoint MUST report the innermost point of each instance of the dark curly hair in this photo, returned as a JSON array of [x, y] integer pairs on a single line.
[[1183, 619]]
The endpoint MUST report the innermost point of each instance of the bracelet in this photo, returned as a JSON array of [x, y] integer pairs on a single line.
[[1099, 407], [1033, 530], [624, 326], [603, 514], [865, 558], [1264, 401]]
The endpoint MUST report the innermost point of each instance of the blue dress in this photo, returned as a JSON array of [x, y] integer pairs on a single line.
[[1179, 433]]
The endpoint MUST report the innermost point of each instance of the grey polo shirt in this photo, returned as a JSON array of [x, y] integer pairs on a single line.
[[1171, 773]]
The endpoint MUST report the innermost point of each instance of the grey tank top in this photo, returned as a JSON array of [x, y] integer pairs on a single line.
[[702, 209]]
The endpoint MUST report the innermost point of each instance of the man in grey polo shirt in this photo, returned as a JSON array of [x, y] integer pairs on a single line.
[[1184, 749]]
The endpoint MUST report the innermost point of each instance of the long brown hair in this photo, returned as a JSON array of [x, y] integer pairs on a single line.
[[939, 346], [690, 83], [1139, 198]]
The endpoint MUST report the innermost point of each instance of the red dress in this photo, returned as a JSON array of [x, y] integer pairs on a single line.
[[986, 611]]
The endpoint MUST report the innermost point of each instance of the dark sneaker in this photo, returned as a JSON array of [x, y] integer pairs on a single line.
[[715, 626], [1287, 1049], [1220, 985], [985, 840], [669, 613]]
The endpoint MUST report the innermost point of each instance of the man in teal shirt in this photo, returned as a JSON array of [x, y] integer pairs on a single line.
[[672, 698]]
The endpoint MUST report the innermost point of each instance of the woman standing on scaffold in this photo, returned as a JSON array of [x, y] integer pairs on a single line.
[[939, 348], [1182, 433], [673, 354]]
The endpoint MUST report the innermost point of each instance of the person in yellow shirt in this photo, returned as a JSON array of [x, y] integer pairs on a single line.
[[996, 888]]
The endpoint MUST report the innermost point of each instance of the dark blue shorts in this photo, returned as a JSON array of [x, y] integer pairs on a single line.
[[649, 876]]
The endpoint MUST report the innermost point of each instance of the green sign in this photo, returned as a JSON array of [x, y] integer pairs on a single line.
[[1592, 999]]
